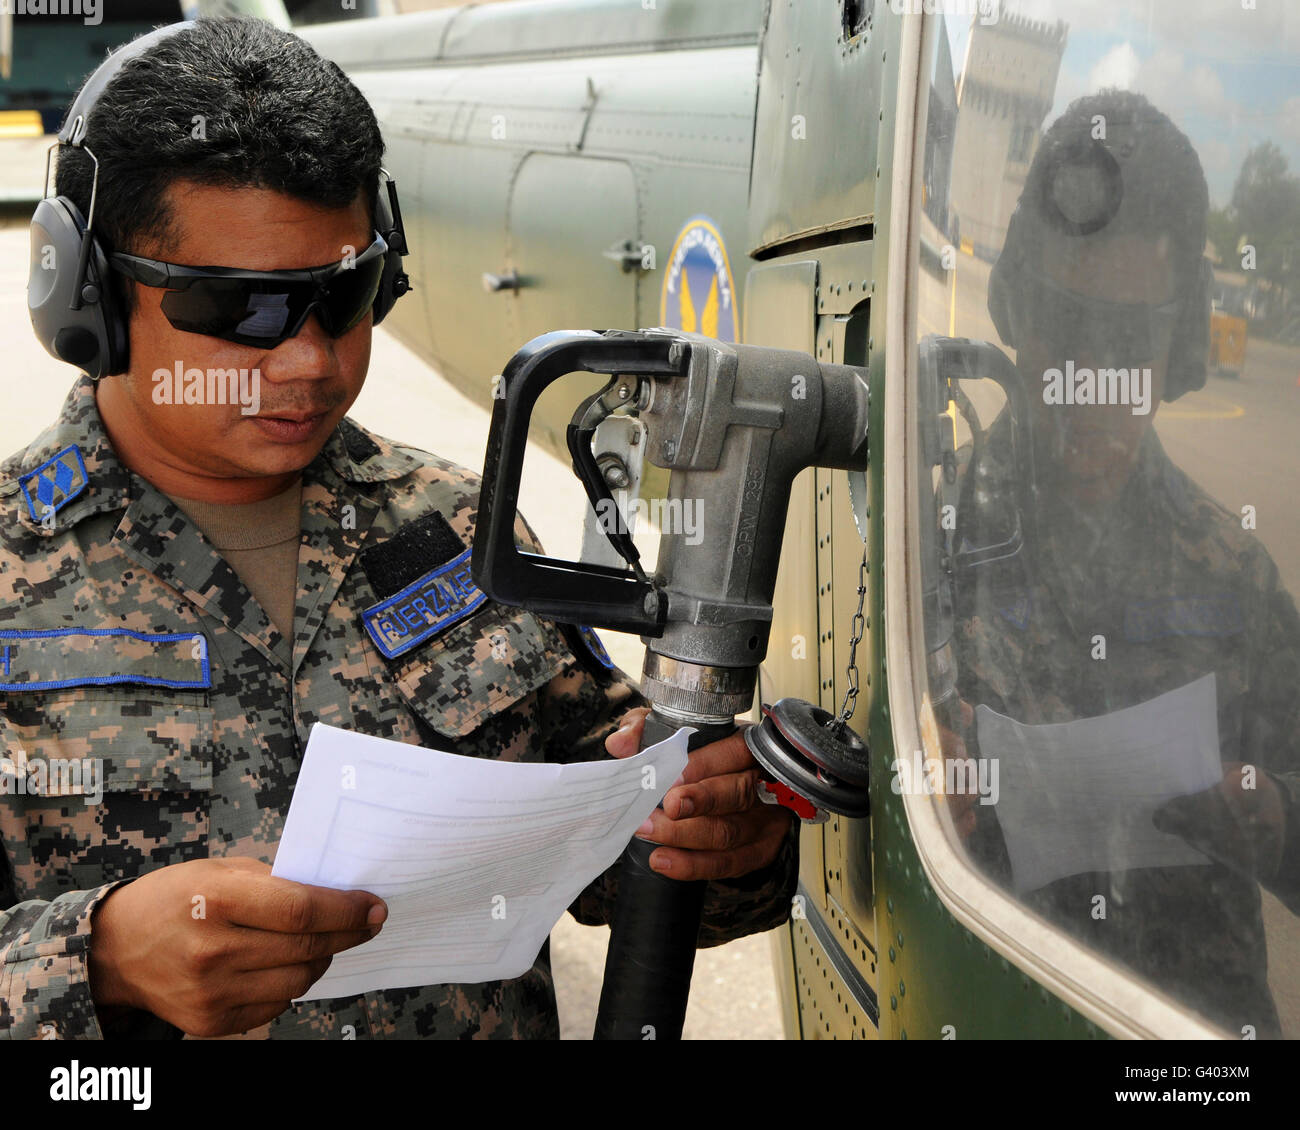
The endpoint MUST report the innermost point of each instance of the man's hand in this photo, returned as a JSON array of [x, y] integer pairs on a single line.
[[1241, 821], [713, 811], [219, 946]]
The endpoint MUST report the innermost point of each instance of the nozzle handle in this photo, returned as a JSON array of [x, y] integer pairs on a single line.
[[567, 591]]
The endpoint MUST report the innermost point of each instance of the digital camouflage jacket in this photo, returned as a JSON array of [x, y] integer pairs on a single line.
[[125, 637], [1174, 589]]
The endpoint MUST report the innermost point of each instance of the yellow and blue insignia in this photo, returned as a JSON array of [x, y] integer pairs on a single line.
[[597, 648], [54, 483], [699, 294], [1018, 609]]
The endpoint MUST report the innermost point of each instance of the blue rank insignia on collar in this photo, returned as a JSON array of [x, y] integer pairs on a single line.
[[424, 608], [54, 483]]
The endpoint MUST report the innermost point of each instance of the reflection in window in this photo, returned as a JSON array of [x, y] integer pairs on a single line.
[[1107, 401]]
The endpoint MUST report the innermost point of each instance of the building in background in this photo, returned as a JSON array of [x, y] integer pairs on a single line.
[[1005, 90]]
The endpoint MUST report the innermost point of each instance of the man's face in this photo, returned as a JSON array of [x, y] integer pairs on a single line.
[[1088, 451], [305, 385]]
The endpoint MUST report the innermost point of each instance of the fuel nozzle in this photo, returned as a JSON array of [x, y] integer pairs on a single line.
[[734, 424]]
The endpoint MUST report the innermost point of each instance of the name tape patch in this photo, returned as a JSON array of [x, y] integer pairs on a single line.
[[425, 607]]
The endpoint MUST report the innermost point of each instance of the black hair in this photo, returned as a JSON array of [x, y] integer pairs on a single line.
[[1143, 176], [274, 115]]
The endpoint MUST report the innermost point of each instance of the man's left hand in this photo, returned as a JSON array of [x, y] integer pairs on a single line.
[[1244, 828], [712, 824]]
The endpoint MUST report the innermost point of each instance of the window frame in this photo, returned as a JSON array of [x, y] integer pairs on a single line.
[[1114, 999]]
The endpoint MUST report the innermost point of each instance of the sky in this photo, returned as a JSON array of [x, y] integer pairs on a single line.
[[1228, 75]]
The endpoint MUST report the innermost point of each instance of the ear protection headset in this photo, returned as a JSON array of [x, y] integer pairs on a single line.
[[75, 309], [1189, 346]]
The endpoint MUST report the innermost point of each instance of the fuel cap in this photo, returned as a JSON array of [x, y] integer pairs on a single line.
[[802, 747]]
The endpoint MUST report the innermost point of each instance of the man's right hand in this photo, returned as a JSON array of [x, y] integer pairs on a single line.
[[220, 946]]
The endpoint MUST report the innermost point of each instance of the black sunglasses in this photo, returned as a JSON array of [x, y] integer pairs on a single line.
[[1075, 325], [262, 308]]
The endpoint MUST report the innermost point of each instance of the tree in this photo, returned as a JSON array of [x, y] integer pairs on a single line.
[[1266, 208], [1225, 234]]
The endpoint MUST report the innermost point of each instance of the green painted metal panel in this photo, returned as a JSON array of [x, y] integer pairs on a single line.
[[815, 138], [532, 29], [458, 138]]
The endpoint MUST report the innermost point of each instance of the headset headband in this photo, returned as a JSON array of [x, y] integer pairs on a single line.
[[74, 125], [74, 313], [73, 132]]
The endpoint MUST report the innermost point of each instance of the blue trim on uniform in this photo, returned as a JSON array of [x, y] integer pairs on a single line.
[[27, 478], [106, 680], [1218, 614], [424, 608]]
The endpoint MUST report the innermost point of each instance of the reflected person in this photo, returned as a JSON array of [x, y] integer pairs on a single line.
[[1132, 581]]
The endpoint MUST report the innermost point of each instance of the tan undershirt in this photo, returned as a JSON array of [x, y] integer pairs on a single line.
[[259, 540]]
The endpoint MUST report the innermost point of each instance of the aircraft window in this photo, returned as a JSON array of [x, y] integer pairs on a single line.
[[1109, 344], [856, 16]]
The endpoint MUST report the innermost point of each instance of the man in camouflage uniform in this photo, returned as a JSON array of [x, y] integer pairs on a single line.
[[131, 639], [1123, 552]]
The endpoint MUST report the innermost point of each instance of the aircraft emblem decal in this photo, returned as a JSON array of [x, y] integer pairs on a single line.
[[699, 294]]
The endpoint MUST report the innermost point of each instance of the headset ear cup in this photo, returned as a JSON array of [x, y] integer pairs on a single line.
[[393, 282], [385, 297], [1189, 350], [92, 337], [99, 274]]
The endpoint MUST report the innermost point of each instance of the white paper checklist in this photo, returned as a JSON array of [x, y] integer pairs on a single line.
[[1078, 796], [476, 859]]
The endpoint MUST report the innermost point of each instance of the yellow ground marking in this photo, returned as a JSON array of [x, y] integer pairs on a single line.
[[20, 123]]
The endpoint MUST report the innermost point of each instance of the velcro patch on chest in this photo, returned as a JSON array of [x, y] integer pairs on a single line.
[[422, 573], [56, 658]]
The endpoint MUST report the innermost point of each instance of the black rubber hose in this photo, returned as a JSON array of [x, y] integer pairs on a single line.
[[654, 931]]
